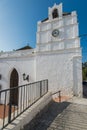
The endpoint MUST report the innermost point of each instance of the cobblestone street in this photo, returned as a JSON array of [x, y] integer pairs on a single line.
[[61, 116]]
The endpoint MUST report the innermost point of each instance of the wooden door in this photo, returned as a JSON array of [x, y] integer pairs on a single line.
[[14, 83]]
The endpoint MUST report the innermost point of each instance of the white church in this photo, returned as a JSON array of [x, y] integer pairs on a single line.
[[57, 56]]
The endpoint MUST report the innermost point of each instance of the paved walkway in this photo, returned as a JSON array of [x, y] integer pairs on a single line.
[[67, 115]]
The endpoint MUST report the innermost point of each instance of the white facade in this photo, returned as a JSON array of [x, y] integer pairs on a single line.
[[57, 59]]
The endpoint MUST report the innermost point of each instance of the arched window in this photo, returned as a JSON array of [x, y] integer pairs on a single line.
[[55, 13]]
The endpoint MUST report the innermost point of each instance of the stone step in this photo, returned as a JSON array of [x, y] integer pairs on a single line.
[[76, 118], [72, 121], [65, 118], [69, 123]]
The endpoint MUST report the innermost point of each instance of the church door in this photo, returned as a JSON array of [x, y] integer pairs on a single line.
[[14, 83]]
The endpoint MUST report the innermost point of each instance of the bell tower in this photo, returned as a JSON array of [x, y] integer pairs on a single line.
[[58, 51], [45, 28], [55, 11], [59, 31]]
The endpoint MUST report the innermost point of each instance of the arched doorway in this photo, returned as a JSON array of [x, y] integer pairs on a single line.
[[14, 83]]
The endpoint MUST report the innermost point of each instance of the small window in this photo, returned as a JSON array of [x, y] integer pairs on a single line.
[[55, 13]]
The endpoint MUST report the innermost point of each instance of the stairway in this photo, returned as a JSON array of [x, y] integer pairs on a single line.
[[68, 115]]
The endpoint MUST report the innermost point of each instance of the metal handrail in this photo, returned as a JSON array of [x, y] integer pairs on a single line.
[[21, 86], [28, 94]]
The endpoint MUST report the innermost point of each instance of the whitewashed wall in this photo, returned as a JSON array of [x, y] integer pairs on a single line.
[[23, 64], [77, 76], [58, 69]]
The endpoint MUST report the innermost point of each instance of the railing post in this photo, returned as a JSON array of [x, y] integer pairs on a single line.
[[40, 88], [59, 96], [47, 85], [10, 104]]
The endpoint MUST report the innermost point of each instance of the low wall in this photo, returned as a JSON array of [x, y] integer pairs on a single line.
[[29, 114]]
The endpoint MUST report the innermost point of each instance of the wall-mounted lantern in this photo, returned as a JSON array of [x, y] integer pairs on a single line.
[[25, 77]]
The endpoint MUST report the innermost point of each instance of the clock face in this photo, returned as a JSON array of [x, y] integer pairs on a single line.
[[55, 33]]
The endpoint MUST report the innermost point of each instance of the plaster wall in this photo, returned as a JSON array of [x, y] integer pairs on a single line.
[[58, 69], [77, 76], [68, 29], [22, 65]]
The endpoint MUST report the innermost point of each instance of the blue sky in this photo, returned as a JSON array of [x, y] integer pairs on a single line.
[[18, 20]]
